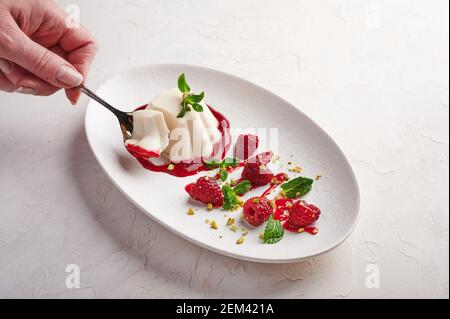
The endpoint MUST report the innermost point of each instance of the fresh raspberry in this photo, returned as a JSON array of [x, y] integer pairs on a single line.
[[246, 146], [206, 190], [257, 210], [303, 214], [258, 174]]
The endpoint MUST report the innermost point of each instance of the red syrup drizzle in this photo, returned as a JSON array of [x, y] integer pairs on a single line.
[[184, 169]]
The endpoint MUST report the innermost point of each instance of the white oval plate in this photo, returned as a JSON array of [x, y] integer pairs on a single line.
[[162, 196]]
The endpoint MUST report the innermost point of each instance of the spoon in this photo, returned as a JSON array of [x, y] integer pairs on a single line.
[[125, 118]]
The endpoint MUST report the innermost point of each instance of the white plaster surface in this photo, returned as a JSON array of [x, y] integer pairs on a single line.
[[374, 74]]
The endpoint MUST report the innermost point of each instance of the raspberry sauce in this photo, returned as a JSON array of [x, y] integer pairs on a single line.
[[184, 169]]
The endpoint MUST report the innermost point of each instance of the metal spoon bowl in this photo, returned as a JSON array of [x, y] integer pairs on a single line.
[[125, 118]]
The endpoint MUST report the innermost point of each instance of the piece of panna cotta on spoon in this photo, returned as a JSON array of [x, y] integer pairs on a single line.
[[175, 125]]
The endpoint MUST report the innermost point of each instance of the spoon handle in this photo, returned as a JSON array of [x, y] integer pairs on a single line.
[[95, 97]]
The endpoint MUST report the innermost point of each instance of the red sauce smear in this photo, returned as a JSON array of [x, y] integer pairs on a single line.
[[276, 181], [195, 166]]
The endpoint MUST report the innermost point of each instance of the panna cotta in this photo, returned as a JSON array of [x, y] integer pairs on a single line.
[[160, 132], [150, 134]]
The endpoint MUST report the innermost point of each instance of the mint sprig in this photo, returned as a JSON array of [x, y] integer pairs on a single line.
[[297, 187], [230, 200], [230, 194], [190, 101], [222, 165], [273, 231], [242, 188]]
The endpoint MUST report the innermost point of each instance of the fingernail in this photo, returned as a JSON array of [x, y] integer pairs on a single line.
[[5, 66], [69, 76], [25, 90]]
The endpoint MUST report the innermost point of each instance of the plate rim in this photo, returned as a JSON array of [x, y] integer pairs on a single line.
[[193, 240]]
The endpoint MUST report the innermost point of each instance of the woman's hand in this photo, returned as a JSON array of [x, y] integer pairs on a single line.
[[40, 53]]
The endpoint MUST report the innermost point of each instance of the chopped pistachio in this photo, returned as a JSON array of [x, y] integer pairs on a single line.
[[210, 207], [256, 200], [261, 236], [232, 183], [233, 228], [171, 167], [244, 231], [296, 169], [213, 224], [240, 240], [191, 212], [230, 221], [318, 177]]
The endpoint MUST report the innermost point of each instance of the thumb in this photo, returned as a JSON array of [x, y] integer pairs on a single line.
[[40, 61]]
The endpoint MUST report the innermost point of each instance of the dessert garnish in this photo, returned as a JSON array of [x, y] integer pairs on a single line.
[[297, 187], [190, 101], [224, 166], [231, 195], [246, 146], [257, 210], [273, 232], [206, 190]]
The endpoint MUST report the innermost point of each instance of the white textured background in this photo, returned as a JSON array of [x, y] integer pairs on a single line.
[[374, 74]]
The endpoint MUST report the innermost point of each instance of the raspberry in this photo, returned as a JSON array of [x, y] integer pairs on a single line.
[[258, 174], [206, 190], [257, 210], [303, 214], [246, 146]]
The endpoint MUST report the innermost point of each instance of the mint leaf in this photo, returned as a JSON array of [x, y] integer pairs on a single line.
[[230, 161], [182, 84], [215, 163], [242, 188], [229, 198], [297, 187], [223, 174], [182, 112], [194, 99], [197, 107], [273, 232], [212, 164]]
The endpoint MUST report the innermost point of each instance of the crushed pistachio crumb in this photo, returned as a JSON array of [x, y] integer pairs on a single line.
[[213, 224], [289, 163], [296, 169], [209, 207], [256, 200], [261, 236], [233, 228], [171, 167], [240, 240], [191, 212], [318, 177], [272, 204], [230, 221], [232, 183], [206, 221], [244, 231]]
